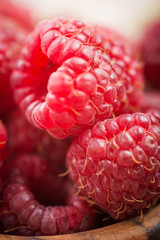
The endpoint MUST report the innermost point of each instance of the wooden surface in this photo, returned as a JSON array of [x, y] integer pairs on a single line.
[[133, 229]]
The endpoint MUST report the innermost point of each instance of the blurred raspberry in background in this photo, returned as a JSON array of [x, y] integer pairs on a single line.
[[151, 54], [15, 25]]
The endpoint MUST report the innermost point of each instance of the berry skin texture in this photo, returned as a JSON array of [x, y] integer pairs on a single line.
[[13, 31], [71, 75], [116, 164], [40, 219], [150, 51]]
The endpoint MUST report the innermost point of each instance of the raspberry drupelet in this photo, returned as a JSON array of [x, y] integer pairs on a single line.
[[13, 30], [25, 213], [116, 164], [71, 75]]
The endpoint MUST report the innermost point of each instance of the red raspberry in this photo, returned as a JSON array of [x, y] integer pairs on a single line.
[[3, 140], [13, 31], [18, 13], [150, 100], [75, 217], [150, 50], [3, 150], [55, 152], [116, 164], [40, 219], [71, 75], [8, 220], [10, 224], [23, 138], [44, 179]]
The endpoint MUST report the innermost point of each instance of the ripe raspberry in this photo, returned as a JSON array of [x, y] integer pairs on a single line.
[[150, 100], [44, 179], [18, 13], [8, 220], [13, 31], [76, 216], [55, 152], [3, 151], [23, 138], [150, 50], [3, 140], [116, 164], [71, 75]]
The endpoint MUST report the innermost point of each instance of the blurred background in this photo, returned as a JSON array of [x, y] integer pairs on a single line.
[[128, 16]]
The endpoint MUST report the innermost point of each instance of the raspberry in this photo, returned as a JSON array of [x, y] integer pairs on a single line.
[[7, 218], [55, 152], [3, 140], [116, 164], [23, 138], [3, 151], [10, 224], [150, 50], [44, 178], [71, 75], [18, 13], [23, 205], [150, 100], [13, 30], [74, 217]]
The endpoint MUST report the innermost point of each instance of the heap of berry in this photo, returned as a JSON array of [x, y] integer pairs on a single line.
[[71, 75], [116, 164], [150, 51], [13, 30], [23, 207], [83, 81]]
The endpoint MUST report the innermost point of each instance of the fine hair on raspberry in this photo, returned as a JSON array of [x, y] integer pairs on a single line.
[[24, 210], [116, 164], [71, 75]]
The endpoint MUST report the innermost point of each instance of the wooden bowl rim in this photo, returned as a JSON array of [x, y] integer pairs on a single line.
[[131, 229]]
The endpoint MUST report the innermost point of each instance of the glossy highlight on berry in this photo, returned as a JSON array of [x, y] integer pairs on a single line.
[[71, 75], [116, 164]]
